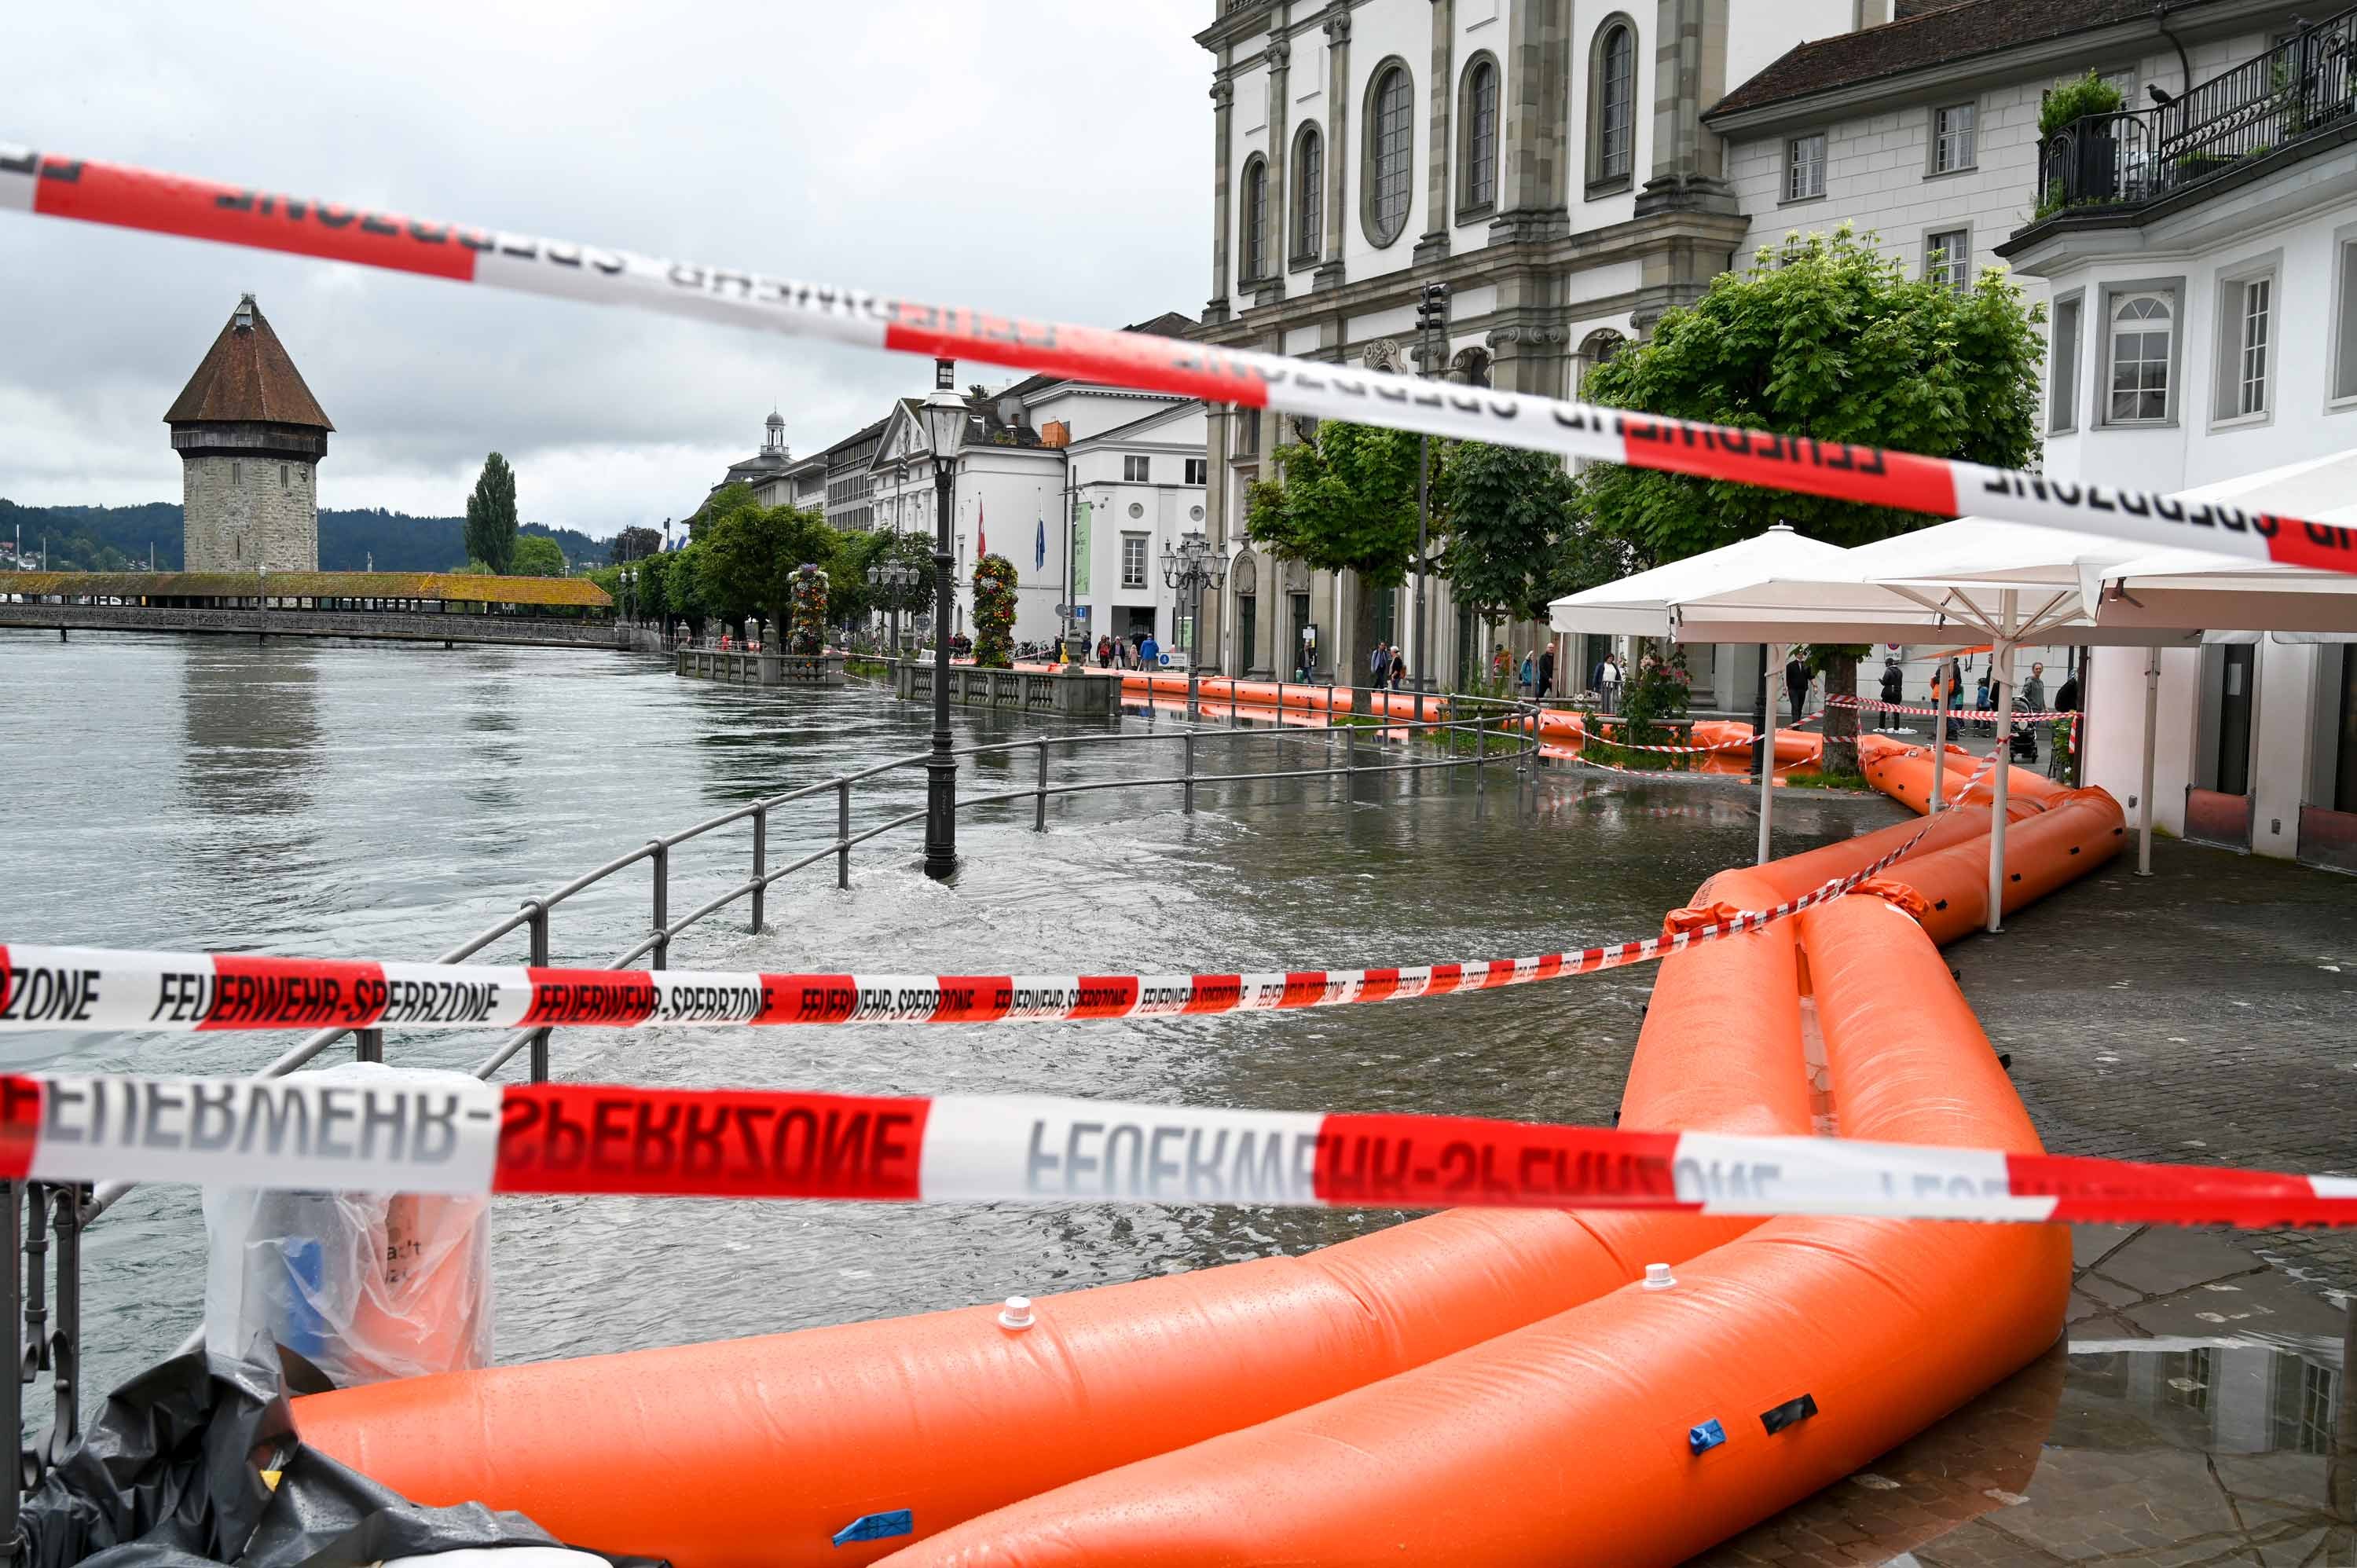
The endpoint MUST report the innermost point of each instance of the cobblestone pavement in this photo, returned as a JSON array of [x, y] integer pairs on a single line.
[[2207, 1012]]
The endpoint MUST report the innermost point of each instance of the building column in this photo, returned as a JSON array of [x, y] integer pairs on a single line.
[[1440, 159], [1531, 201], [1689, 76], [1280, 215], [1223, 98], [1330, 272]]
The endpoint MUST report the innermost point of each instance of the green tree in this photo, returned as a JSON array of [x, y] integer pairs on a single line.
[[749, 553], [536, 555], [1344, 501], [1827, 337], [491, 516], [1515, 539]]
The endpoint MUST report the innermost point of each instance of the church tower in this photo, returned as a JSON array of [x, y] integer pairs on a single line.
[[250, 435]]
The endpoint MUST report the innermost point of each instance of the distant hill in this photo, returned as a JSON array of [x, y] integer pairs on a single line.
[[109, 538]]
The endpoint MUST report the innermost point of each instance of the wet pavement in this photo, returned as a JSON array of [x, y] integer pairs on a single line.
[[2198, 1410]]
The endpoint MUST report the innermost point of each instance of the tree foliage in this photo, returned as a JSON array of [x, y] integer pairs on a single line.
[[852, 601], [1828, 338], [1515, 538], [491, 516], [1344, 501], [536, 555], [747, 555]]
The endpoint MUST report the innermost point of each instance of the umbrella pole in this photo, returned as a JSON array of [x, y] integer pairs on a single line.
[[1939, 740], [1766, 741], [2151, 731], [2002, 657]]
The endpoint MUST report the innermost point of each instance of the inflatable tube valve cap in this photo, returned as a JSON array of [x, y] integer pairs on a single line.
[[1017, 1312], [1658, 1276], [1703, 1438]]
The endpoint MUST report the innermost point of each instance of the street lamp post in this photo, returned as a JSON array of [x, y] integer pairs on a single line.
[[944, 413], [894, 578], [1431, 322], [1190, 568]]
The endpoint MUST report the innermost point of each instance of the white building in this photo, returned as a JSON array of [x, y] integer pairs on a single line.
[[1547, 159], [2203, 278], [1075, 482]]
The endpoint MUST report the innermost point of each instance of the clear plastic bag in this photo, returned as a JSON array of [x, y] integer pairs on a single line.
[[366, 1286]]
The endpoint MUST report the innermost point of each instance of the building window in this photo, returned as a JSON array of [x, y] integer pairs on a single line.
[[1198, 470], [2344, 349], [1391, 148], [1612, 103], [1255, 220], [2246, 309], [1247, 433], [1804, 166], [236, 472], [1308, 194], [1477, 182], [1948, 258], [1137, 470], [2063, 394], [282, 475], [2142, 328], [1133, 560], [1954, 145]]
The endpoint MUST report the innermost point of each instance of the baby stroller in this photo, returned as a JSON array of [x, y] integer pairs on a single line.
[[2022, 745]]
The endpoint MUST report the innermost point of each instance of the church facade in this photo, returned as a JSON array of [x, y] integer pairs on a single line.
[[250, 438]]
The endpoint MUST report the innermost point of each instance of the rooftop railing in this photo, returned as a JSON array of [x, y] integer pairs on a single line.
[[2300, 88]]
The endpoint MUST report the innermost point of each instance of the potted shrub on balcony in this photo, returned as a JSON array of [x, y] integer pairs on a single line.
[[2090, 172]]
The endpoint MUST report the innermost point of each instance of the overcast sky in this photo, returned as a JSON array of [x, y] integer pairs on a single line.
[[1044, 157]]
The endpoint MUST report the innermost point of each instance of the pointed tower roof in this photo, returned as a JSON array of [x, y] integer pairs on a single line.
[[247, 376]]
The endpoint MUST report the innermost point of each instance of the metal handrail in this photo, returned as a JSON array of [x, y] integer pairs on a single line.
[[1492, 717]]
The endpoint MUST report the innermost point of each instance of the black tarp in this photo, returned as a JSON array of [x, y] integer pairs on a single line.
[[169, 1476]]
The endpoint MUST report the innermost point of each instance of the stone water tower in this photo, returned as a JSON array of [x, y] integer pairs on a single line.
[[250, 435]]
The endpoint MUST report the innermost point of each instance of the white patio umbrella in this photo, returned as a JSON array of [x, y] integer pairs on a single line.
[[1641, 606]]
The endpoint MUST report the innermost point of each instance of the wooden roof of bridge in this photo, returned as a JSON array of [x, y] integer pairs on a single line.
[[457, 587]]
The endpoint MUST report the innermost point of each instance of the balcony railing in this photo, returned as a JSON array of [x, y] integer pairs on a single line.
[[2302, 87]]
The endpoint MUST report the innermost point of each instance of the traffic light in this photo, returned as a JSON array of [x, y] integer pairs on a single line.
[[1432, 311]]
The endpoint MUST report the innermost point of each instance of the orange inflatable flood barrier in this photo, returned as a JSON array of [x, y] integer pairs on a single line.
[[950, 1416], [1385, 1385], [1814, 1345]]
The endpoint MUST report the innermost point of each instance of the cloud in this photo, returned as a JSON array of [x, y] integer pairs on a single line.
[[1045, 157]]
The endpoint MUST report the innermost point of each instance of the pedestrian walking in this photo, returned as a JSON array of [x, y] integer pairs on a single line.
[[2066, 696], [1528, 675], [1607, 683], [1105, 650], [1398, 670], [1981, 705], [1796, 684], [1894, 691], [1547, 671], [2030, 696], [1149, 653], [1379, 662]]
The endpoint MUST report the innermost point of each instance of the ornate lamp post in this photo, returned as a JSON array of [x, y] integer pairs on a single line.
[[1190, 568], [944, 414], [893, 578]]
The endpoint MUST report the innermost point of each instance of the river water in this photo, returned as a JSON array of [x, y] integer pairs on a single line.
[[386, 801]]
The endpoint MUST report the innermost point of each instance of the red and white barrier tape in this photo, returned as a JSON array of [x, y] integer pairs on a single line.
[[308, 1133], [2029, 715], [54, 185], [99, 988]]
